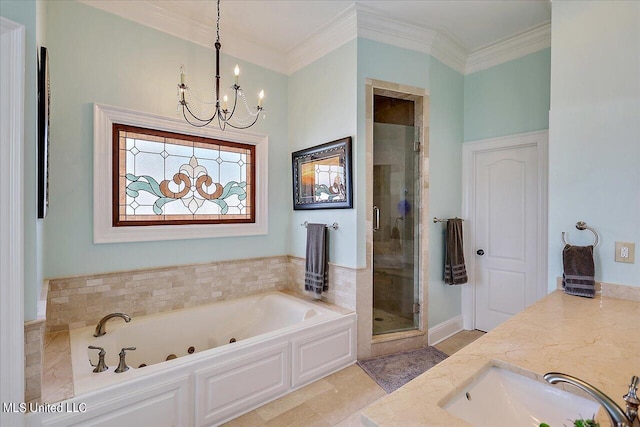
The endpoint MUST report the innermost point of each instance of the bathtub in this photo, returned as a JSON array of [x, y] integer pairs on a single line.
[[226, 358]]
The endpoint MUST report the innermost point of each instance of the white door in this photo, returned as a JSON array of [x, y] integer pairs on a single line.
[[505, 236], [12, 74]]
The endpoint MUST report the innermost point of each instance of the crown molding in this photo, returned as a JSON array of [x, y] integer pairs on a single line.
[[376, 27], [331, 36], [159, 18], [355, 21], [525, 43], [450, 51]]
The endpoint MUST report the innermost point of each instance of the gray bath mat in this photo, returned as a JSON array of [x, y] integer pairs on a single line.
[[395, 370]]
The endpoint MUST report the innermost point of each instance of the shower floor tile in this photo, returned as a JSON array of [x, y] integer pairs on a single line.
[[384, 322]]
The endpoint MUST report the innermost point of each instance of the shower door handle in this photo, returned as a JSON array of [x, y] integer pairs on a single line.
[[376, 219]]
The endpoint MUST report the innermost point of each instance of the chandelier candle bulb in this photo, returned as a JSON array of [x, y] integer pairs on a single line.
[[225, 102], [236, 73], [181, 75], [260, 96]]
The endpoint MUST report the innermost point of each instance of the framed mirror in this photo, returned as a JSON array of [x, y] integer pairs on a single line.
[[322, 176], [44, 95]]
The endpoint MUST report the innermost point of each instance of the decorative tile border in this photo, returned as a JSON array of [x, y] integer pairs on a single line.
[[81, 301], [342, 283], [33, 355]]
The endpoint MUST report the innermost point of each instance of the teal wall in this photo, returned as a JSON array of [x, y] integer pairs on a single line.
[[445, 181], [509, 98], [380, 61], [594, 139], [445, 85], [322, 108], [25, 12], [97, 57]]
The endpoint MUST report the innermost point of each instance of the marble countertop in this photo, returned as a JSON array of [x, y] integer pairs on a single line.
[[593, 339]]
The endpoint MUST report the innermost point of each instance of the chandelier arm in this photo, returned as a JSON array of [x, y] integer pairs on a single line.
[[247, 126], [198, 125], [235, 103], [209, 120]]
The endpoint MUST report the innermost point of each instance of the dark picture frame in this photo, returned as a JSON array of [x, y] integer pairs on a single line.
[[44, 98], [322, 176]]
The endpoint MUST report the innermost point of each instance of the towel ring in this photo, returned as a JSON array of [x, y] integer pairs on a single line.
[[581, 225]]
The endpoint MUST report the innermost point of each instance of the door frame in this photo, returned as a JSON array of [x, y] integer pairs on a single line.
[[470, 150], [11, 226], [368, 344]]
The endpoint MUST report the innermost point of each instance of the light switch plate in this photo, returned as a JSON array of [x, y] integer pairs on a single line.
[[625, 252]]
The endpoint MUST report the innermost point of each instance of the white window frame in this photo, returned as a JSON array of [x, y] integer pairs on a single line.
[[104, 117]]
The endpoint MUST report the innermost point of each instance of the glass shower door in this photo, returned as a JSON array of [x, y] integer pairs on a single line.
[[396, 215]]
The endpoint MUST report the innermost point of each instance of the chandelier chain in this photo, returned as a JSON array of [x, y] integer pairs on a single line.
[[218, 24]]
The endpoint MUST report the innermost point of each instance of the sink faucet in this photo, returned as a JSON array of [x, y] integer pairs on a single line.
[[100, 329], [618, 417]]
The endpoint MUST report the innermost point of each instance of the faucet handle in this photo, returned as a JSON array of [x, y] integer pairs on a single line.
[[632, 400], [631, 396], [122, 366], [100, 366]]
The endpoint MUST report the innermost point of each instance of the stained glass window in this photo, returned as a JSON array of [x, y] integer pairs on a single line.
[[163, 178]]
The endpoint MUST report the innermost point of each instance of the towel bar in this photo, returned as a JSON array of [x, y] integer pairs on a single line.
[[334, 225], [581, 225], [443, 219]]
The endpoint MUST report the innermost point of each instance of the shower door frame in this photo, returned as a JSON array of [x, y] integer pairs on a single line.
[[416, 337]]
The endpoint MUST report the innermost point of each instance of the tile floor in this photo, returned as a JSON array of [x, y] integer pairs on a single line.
[[335, 400]]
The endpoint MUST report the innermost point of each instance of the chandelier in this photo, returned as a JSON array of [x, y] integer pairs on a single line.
[[217, 111]]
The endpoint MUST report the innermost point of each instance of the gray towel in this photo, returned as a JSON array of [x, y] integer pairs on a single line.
[[315, 275], [578, 277], [455, 272]]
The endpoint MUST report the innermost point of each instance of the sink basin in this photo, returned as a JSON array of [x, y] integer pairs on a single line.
[[500, 397]]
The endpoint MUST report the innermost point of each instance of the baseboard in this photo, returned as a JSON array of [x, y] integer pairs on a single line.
[[444, 330]]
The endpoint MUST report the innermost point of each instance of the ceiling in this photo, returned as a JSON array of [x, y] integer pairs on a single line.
[[281, 25]]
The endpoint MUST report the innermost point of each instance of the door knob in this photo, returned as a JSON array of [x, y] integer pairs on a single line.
[[480, 252]]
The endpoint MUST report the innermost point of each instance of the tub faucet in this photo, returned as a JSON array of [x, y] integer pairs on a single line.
[[618, 417], [100, 329]]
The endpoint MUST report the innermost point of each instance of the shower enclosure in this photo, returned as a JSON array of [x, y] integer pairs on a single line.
[[396, 216]]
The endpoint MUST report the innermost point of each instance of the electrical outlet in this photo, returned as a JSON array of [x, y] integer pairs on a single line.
[[625, 252]]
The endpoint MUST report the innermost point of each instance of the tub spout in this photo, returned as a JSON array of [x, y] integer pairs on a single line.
[[616, 414], [100, 328]]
